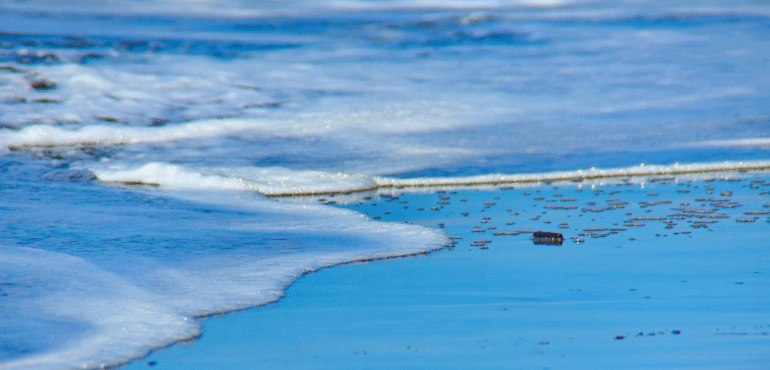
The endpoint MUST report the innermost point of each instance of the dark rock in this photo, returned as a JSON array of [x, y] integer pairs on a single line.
[[547, 238]]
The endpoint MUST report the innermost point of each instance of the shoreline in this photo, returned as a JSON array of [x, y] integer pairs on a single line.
[[618, 245], [214, 315]]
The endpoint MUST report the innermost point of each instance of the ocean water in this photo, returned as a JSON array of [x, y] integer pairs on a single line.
[[665, 273], [144, 143]]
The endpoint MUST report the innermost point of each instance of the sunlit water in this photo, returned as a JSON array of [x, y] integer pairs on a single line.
[[140, 140]]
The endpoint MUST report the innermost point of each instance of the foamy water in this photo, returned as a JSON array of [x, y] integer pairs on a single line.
[[142, 142]]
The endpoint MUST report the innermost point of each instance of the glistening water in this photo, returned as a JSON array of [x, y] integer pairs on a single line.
[[142, 141]]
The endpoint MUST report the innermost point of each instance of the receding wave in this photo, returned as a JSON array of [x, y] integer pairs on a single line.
[[111, 312], [276, 181], [271, 181]]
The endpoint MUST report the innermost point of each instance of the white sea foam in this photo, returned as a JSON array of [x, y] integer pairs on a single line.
[[267, 181], [434, 100], [217, 101], [276, 181], [121, 321], [588, 174], [144, 303]]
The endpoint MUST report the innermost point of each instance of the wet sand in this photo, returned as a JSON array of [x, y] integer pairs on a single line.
[[661, 273]]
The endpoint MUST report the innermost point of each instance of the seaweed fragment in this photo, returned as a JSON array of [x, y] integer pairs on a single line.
[[43, 84]]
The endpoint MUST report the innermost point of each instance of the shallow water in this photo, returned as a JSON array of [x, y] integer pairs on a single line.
[[143, 144], [661, 274]]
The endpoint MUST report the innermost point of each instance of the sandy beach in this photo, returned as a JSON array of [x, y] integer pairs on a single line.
[[659, 273], [249, 184]]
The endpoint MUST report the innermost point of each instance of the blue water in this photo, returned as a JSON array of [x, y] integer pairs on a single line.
[[497, 300], [138, 139]]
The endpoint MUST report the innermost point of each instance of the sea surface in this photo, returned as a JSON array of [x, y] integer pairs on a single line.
[[144, 144]]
